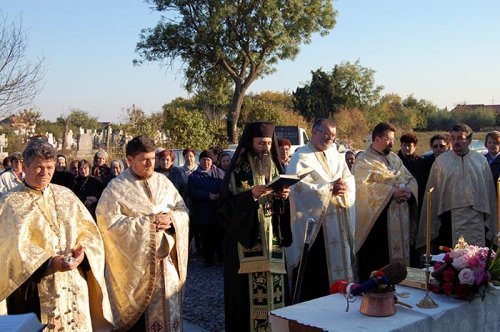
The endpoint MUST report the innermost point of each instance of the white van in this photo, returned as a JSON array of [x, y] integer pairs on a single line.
[[296, 135]]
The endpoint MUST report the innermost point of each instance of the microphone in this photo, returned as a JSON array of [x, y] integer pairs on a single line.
[[310, 228], [390, 274]]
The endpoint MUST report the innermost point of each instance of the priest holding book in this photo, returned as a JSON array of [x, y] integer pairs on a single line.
[[326, 195], [257, 221]]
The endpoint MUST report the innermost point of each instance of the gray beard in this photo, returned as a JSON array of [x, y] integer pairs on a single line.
[[262, 164]]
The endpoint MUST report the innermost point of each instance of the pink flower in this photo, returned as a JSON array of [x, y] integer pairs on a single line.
[[460, 263], [466, 277], [454, 254], [473, 261]]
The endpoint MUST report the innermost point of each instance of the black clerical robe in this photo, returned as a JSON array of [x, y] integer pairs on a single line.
[[247, 256]]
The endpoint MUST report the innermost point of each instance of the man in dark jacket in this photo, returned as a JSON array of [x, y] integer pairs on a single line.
[[407, 153]]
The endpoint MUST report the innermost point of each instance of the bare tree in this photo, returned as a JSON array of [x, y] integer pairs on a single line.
[[20, 79]]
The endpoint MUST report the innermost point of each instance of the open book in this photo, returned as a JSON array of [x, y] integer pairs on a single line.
[[286, 180]]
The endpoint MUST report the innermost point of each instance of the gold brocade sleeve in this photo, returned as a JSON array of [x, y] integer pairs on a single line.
[[375, 184], [31, 233]]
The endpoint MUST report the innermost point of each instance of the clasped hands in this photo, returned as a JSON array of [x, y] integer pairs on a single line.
[[162, 221], [339, 187], [261, 190], [62, 263], [401, 194]]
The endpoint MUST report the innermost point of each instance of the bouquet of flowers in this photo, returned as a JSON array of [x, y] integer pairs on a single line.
[[465, 271]]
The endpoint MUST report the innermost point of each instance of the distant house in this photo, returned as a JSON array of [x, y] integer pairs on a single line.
[[472, 107], [18, 125]]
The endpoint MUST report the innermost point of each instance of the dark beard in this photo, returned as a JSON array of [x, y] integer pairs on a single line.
[[262, 164], [387, 150]]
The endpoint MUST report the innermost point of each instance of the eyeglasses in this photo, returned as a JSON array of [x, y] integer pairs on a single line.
[[439, 146], [327, 135], [388, 139]]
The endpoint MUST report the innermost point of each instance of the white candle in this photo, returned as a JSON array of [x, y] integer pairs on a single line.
[[428, 230]]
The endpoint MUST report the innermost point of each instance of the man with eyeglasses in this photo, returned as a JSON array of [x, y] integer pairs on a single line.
[[14, 177], [326, 195], [386, 205], [464, 200], [439, 144]]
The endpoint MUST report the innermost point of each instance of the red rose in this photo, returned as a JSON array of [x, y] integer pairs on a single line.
[[448, 288], [436, 290], [447, 258], [449, 275], [463, 291]]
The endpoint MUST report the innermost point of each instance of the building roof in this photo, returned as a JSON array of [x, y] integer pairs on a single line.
[[471, 107]]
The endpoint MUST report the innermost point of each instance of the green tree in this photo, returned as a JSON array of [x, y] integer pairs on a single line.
[[351, 126], [136, 123], [224, 41], [440, 120], [256, 109], [318, 98], [46, 126], [76, 119], [477, 119], [30, 116], [422, 109], [275, 107], [349, 85], [356, 85], [187, 128], [385, 110]]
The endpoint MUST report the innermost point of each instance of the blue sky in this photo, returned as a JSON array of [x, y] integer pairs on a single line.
[[444, 51]]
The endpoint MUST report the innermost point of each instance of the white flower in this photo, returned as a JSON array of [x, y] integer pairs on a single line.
[[460, 263], [466, 277], [455, 253]]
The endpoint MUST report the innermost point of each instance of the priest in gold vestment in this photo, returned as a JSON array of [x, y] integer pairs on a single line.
[[328, 196], [144, 224], [386, 205], [52, 252], [463, 202]]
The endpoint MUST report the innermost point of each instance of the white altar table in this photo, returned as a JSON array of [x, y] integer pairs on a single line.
[[328, 314]]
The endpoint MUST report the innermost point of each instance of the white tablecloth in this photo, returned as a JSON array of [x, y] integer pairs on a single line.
[[328, 314]]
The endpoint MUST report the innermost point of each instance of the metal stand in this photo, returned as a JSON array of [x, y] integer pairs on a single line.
[[427, 302], [300, 275], [309, 231]]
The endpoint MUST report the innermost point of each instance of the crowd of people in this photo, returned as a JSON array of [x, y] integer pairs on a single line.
[[105, 245]]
